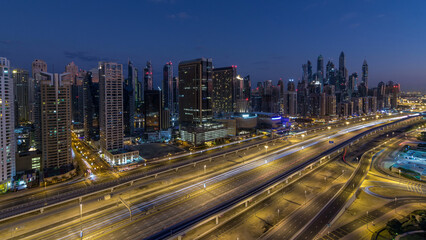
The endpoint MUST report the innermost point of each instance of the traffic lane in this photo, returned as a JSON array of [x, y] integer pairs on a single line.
[[313, 228], [372, 215], [151, 222], [143, 171], [349, 155], [328, 213], [288, 200], [192, 210], [220, 163]]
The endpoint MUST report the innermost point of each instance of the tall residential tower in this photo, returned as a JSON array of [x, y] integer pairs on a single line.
[[55, 91], [7, 122]]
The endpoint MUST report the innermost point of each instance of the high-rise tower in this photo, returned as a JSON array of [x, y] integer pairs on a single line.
[[91, 108], [37, 66], [129, 102], [167, 89], [365, 73], [22, 103], [7, 122], [224, 90], [330, 75], [55, 91], [343, 72], [195, 91], [133, 76], [175, 115], [111, 106], [147, 76], [320, 69]]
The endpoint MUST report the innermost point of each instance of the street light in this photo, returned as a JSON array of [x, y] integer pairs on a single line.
[[81, 220], [266, 148], [205, 168], [367, 220]]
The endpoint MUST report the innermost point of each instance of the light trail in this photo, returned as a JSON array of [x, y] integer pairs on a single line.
[[259, 161]]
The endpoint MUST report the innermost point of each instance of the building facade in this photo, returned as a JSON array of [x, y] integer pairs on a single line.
[[22, 103], [56, 120], [195, 91], [224, 90], [7, 122], [111, 106]]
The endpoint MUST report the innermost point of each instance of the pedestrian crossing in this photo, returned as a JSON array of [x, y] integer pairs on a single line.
[[415, 187]]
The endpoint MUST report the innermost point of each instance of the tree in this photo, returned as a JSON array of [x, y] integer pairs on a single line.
[[394, 227]]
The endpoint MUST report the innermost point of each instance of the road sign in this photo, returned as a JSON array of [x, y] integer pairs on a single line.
[[330, 141]]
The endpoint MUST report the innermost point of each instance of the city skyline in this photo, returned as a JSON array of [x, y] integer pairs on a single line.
[[175, 119], [265, 47]]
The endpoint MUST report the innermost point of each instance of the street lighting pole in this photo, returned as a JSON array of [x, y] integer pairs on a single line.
[[205, 168], [305, 197], [395, 204], [81, 220], [367, 220]]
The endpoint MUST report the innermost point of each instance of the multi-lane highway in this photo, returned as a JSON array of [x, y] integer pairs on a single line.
[[13, 204], [153, 213]]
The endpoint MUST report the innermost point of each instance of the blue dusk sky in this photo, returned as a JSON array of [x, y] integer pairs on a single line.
[[266, 39]]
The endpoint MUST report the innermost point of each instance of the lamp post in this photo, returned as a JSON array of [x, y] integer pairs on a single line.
[[395, 204], [266, 148], [81, 220]]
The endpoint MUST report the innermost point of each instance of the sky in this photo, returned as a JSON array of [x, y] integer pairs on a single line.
[[265, 39]]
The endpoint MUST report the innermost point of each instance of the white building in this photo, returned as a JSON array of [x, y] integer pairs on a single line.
[[7, 127]]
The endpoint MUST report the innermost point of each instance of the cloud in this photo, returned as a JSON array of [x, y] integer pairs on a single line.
[[354, 25], [84, 56], [180, 15], [347, 16], [162, 1], [81, 56], [9, 42]]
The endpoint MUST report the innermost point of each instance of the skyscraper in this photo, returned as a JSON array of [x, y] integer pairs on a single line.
[[129, 101], [152, 110], [133, 76], [364, 83], [37, 66], [55, 93], [320, 69], [310, 76], [111, 106], [343, 72], [147, 77], [290, 99], [330, 77], [22, 103], [167, 89], [352, 84], [72, 69], [247, 92], [195, 91], [365, 73], [224, 90], [91, 108], [7, 122], [175, 112]]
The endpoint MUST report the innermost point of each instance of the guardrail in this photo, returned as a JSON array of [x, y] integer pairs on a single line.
[[181, 227], [78, 194]]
